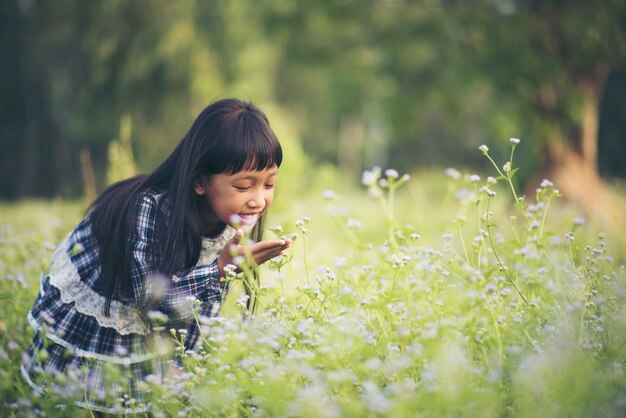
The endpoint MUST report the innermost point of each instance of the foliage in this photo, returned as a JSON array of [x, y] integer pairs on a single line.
[[476, 308], [121, 161], [426, 81]]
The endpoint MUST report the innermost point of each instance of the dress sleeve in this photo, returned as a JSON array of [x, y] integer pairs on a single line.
[[171, 295]]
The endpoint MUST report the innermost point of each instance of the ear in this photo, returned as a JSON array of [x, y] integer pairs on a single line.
[[199, 185]]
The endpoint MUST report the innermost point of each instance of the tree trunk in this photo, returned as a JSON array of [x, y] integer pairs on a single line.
[[574, 169], [589, 132], [572, 162]]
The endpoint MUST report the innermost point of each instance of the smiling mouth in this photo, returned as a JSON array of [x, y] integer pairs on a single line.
[[249, 218]]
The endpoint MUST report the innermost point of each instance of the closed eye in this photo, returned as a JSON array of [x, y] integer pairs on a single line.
[[240, 188], [270, 186]]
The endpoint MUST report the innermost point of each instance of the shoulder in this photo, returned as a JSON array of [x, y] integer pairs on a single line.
[[150, 204], [150, 199]]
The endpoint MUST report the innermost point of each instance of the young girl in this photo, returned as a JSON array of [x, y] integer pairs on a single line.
[[148, 245]]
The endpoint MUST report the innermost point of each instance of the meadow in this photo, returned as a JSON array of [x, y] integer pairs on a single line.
[[440, 294]]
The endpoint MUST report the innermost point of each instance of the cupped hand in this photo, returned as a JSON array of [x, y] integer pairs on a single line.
[[259, 252]]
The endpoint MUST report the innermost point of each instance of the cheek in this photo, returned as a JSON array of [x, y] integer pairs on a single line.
[[219, 201], [269, 198]]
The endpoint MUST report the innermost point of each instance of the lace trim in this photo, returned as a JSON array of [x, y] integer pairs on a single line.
[[64, 276], [123, 318], [128, 360], [30, 382], [212, 247]]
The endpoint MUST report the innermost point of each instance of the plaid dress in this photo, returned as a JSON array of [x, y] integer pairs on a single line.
[[102, 358]]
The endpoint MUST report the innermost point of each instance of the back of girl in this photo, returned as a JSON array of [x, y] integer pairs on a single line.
[[147, 248]]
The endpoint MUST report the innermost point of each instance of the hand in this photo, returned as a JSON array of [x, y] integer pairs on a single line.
[[260, 251]]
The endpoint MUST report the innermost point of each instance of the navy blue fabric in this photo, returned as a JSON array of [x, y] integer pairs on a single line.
[[78, 340]]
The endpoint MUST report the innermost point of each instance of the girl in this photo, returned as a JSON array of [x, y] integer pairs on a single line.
[[147, 247]]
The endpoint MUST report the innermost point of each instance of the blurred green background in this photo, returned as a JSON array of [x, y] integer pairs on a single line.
[[93, 91]]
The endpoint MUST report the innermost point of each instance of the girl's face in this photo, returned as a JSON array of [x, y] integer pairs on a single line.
[[247, 194]]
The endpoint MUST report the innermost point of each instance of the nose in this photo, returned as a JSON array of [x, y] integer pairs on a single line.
[[257, 200]]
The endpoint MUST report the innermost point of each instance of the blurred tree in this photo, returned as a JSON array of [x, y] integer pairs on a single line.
[[552, 59], [443, 76], [78, 67], [380, 83], [361, 82], [326, 75], [24, 115], [612, 131], [120, 154]]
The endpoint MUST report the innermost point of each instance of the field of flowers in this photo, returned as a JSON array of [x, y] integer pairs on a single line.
[[445, 294]]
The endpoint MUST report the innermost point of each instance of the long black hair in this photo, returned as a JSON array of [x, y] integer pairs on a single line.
[[228, 136]]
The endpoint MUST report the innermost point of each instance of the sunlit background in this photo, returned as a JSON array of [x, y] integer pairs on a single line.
[[94, 91]]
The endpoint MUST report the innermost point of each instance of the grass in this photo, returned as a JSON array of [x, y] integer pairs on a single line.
[[429, 297]]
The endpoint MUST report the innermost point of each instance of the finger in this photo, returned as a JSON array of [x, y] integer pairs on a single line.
[[264, 250], [233, 243], [270, 244], [238, 236], [264, 256]]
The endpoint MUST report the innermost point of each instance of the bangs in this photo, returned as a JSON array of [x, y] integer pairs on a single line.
[[246, 142]]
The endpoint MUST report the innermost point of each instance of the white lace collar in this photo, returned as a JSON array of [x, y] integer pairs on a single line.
[[212, 247], [123, 318]]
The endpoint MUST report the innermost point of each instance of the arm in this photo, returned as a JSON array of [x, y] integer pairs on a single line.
[[168, 294]]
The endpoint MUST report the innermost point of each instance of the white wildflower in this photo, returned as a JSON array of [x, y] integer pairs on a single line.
[[452, 173], [242, 301], [374, 398], [121, 351], [514, 141], [354, 224], [484, 148], [369, 177], [230, 270], [329, 194], [235, 220], [391, 173], [340, 261], [157, 316]]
